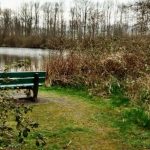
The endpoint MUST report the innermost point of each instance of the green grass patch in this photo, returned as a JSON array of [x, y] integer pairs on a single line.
[[117, 113], [77, 94], [77, 120], [72, 91]]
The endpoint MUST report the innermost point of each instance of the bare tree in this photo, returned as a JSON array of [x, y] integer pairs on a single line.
[[6, 22], [26, 17], [36, 16], [47, 20], [56, 10]]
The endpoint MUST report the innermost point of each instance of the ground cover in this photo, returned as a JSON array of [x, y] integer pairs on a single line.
[[72, 119]]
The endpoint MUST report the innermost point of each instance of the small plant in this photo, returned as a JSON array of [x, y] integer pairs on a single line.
[[15, 125], [115, 88], [117, 94], [145, 96], [119, 100], [138, 116]]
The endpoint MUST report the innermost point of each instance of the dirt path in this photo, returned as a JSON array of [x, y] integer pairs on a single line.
[[71, 125]]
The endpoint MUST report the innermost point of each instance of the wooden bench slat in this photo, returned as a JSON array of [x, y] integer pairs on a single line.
[[21, 74], [16, 81], [14, 86]]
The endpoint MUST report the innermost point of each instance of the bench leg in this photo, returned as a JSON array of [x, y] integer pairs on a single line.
[[35, 87], [35, 93]]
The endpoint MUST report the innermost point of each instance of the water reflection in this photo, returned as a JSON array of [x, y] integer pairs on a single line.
[[36, 57]]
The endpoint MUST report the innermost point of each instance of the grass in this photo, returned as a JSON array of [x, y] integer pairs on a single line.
[[75, 120]]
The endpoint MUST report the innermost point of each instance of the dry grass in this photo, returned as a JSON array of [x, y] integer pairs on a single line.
[[95, 69]]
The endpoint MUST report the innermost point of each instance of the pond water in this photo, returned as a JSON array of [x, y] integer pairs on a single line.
[[37, 58]]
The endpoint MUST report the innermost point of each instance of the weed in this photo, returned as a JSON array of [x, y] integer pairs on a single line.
[[115, 88], [145, 96], [138, 116], [118, 100], [117, 94]]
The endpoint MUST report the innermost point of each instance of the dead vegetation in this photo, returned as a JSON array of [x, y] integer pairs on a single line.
[[96, 70]]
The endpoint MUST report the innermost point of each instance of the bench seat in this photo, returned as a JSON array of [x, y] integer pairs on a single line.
[[22, 80]]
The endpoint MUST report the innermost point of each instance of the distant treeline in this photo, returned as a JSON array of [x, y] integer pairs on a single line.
[[48, 25]]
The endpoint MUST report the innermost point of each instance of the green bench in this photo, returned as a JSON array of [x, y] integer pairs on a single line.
[[23, 80]]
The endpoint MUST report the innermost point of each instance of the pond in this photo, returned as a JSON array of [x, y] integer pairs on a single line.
[[36, 58]]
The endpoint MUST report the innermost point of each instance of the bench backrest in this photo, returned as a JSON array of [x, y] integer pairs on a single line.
[[14, 78]]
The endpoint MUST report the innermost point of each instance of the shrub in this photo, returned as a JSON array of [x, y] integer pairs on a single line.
[[15, 125], [13, 113]]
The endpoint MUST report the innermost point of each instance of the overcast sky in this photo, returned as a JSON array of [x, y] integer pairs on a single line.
[[14, 4]]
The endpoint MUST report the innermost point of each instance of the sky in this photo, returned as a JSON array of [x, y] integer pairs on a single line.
[[15, 4]]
